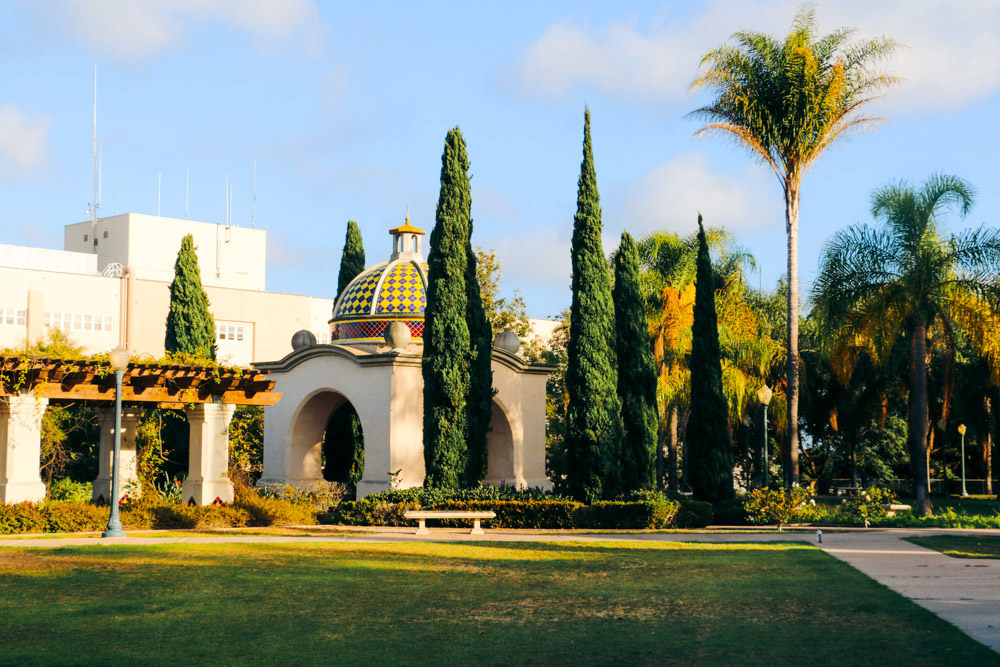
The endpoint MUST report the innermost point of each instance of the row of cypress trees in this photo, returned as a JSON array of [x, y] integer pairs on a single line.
[[611, 416]]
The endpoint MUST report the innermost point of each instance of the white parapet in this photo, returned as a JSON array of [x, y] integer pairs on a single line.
[[20, 448]]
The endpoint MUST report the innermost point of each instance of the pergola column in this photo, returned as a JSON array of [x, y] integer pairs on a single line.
[[208, 466], [21, 448], [127, 464]]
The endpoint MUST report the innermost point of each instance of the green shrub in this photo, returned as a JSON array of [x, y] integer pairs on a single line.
[[425, 497], [730, 513], [870, 504], [516, 513], [21, 518], [693, 514], [766, 506], [69, 491], [620, 514], [66, 517], [367, 512]]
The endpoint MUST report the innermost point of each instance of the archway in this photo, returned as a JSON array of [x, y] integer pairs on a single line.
[[500, 449], [310, 425], [344, 447]]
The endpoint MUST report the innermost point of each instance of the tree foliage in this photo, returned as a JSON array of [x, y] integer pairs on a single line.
[[593, 420], [709, 444], [447, 345], [636, 375], [786, 101], [352, 259], [903, 281], [481, 392], [190, 326]]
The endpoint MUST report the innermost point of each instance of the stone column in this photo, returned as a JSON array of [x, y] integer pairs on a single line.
[[21, 448], [208, 466], [127, 463]]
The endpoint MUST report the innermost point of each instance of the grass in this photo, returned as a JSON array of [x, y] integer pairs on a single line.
[[961, 546], [490, 603]]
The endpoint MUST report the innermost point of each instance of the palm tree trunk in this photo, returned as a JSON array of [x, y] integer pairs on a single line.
[[988, 453], [661, 453], [671, 435], [918, 418], [792, 371]]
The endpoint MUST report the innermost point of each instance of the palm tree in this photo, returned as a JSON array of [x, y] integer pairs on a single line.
[[880, 286], [786, 102]]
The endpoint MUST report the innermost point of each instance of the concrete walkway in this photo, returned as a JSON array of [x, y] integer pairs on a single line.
[[965, 592]]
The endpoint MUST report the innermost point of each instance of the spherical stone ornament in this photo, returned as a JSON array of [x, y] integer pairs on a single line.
[[303, 339], [507, 341], [397, 335]]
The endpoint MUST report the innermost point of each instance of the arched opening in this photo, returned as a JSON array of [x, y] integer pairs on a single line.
[[344, 447], [309, 432], [499, 449], [414, 244]]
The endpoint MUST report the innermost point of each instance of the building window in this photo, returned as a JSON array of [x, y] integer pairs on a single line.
[[230, 331], [95, 242], [105, 235], [86, 237], [77, 321], [322, 338], [14, 317]]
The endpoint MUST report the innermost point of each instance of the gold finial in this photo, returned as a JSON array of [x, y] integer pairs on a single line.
[[407, 215]]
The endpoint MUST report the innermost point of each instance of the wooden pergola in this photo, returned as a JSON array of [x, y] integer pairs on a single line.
[[168, 386], [207, 395]]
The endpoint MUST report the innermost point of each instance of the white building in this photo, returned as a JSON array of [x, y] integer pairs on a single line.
[[110, 286]]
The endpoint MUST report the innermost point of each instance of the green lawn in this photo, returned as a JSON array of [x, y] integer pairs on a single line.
[[492, 603], [961, 546]]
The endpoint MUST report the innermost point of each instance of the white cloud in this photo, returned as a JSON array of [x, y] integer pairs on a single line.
[[671, 195], [953, 55], [23, 141], [136, 30]]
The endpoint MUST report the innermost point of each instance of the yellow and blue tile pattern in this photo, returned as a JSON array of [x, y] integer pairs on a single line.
[[357, 300], [402, 291]]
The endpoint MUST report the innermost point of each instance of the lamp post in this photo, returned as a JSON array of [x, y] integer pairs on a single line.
[[961, 429], [118, 358], [764, 396], [746, 454]]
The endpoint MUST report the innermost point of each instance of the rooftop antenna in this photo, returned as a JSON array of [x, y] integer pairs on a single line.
[[253, 212], [100, 173], [96, 203]]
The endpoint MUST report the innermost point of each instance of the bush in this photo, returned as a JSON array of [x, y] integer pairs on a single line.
[[271, 511], [70, 491], [694, 514], [870, 504], [517, 513], [367, 512], [765, 506], [730, 513], [622, 514], [425, 497]]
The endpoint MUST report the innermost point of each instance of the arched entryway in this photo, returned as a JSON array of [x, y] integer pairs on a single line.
[[500, 448], [344, 447], [323, 417]]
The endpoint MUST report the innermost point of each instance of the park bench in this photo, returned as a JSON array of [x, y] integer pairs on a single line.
[[891, 509], [423, 515]]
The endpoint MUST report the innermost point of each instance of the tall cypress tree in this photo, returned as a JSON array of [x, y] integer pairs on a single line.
[[343, 441], [636, 374], [447, 348], [480, 400], [190, 326], [709, 444], [593, 415], [352, 260]]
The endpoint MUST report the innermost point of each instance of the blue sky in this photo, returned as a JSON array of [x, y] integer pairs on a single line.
[[345, 107]]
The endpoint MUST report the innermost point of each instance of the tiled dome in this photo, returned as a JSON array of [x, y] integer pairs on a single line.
[[391, 291]]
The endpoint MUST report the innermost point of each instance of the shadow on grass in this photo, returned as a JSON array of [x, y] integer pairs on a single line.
[[489, 603]]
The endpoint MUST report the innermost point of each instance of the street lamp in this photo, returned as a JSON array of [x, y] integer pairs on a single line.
[[961, 429], [764, 396], [118, 358], [746, 458]]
